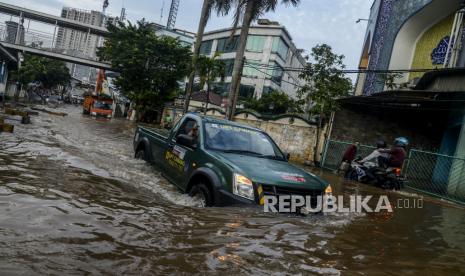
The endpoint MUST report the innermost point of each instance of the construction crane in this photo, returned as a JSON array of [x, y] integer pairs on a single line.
[[173, 13]]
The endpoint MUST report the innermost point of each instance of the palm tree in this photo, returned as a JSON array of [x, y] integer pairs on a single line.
[[248, 10], [222, 7], [209, 69]]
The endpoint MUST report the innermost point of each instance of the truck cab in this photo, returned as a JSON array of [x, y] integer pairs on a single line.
[[98, 106], [223, 162]]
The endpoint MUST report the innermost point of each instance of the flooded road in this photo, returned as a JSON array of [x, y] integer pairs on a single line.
[[73, 200]]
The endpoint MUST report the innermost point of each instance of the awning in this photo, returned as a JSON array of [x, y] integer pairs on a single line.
[[7, 55], [418, 100]]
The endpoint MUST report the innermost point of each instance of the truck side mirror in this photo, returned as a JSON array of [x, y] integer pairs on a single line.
[[287, 155], [186, 140]]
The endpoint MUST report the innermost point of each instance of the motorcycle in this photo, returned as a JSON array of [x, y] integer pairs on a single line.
[[369, 173]]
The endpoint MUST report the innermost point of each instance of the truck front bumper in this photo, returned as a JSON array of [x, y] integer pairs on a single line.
[[225, 198]]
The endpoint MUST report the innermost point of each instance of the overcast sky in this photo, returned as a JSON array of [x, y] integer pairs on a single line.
[[312, 22]]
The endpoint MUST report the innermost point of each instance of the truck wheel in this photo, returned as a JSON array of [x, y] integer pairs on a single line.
[[204, 195], [140, 154]]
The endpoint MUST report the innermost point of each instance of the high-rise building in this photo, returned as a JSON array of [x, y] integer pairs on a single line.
[[78, 43], [68, 39]]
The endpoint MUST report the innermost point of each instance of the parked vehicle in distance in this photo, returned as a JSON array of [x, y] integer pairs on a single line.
[[77, 99], [223, 162], [98, 106], [54, 101]]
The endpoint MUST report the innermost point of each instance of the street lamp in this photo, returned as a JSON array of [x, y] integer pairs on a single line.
[[362, 19]]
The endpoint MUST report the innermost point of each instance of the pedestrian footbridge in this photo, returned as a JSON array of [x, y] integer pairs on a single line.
[[28, 31]]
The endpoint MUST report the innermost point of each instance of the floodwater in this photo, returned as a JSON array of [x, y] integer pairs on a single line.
[[74, 201]]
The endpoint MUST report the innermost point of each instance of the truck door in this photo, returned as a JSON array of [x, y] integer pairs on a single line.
[[179, 158]]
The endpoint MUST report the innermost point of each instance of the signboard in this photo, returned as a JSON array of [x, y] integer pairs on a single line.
[[438, 56]]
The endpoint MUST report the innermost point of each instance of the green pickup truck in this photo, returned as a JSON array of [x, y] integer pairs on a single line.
[[223, 163]]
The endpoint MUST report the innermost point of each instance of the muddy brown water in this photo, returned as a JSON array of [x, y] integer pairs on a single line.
[[74, 201]]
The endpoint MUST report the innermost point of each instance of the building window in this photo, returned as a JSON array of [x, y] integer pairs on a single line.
[[280, 47], [246, 92], [228, 66], [221, 88], [255, 43], [267, 90], [251, 68], [275, 73], [206, 47], [227, 45]]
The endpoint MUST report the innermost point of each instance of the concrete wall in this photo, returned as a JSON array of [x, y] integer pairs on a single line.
[[424, 130]]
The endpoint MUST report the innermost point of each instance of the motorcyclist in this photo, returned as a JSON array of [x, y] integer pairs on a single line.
[[397, 154], [374, 156], [371, 161]]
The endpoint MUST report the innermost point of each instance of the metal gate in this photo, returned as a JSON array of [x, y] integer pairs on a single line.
[[426, 172]]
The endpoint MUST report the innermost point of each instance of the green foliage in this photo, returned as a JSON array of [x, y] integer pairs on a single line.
[[49, 72], [209, 69], [275, 103], [390, 80], [325, 82], [149, 66]]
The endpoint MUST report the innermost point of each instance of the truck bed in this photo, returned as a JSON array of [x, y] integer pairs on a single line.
[[157, 132]]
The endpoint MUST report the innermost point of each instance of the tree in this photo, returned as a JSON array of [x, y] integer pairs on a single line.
[[275, 102], [209, 69], [390, 80], [222, 7], [249, 10], [48, 72], [325, 83], [149, 66]]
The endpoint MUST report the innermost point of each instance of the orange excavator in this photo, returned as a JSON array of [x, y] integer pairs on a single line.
[[99, 104]]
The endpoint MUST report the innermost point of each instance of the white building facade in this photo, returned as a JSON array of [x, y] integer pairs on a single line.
[[270, 53]]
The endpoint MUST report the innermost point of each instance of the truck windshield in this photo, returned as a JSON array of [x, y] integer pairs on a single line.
[[102, 105], [241, 140]]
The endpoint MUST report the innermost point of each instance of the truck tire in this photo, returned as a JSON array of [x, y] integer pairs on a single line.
[[203, 193], [140, 154]]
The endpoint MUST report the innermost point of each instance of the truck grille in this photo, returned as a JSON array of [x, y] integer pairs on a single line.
[[277, 191], [271, 190]]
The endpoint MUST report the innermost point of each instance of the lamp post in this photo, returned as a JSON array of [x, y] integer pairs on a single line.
[[363, 19]]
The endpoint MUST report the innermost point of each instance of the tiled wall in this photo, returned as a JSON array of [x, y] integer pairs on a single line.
[[393, 14]]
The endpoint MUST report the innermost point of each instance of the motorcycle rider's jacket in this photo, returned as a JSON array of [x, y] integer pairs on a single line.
[[373, 157]]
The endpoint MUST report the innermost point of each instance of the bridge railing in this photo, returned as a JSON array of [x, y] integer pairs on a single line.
[[54, 39]]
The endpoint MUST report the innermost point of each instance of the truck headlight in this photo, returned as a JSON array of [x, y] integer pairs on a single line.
[[93, 113], [243, 187], [328, 190]]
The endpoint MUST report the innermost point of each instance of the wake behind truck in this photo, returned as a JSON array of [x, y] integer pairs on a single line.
[[223, 162]]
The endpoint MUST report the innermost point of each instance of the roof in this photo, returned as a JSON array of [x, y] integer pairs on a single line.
[[238, 29], [6, 54], [430, 76], [418, 100], [201, 96]]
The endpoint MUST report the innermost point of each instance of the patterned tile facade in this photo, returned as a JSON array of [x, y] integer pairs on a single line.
[[393, 14]]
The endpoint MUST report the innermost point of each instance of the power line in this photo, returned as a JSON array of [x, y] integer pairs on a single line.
[[345, 71], [266, 73]]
